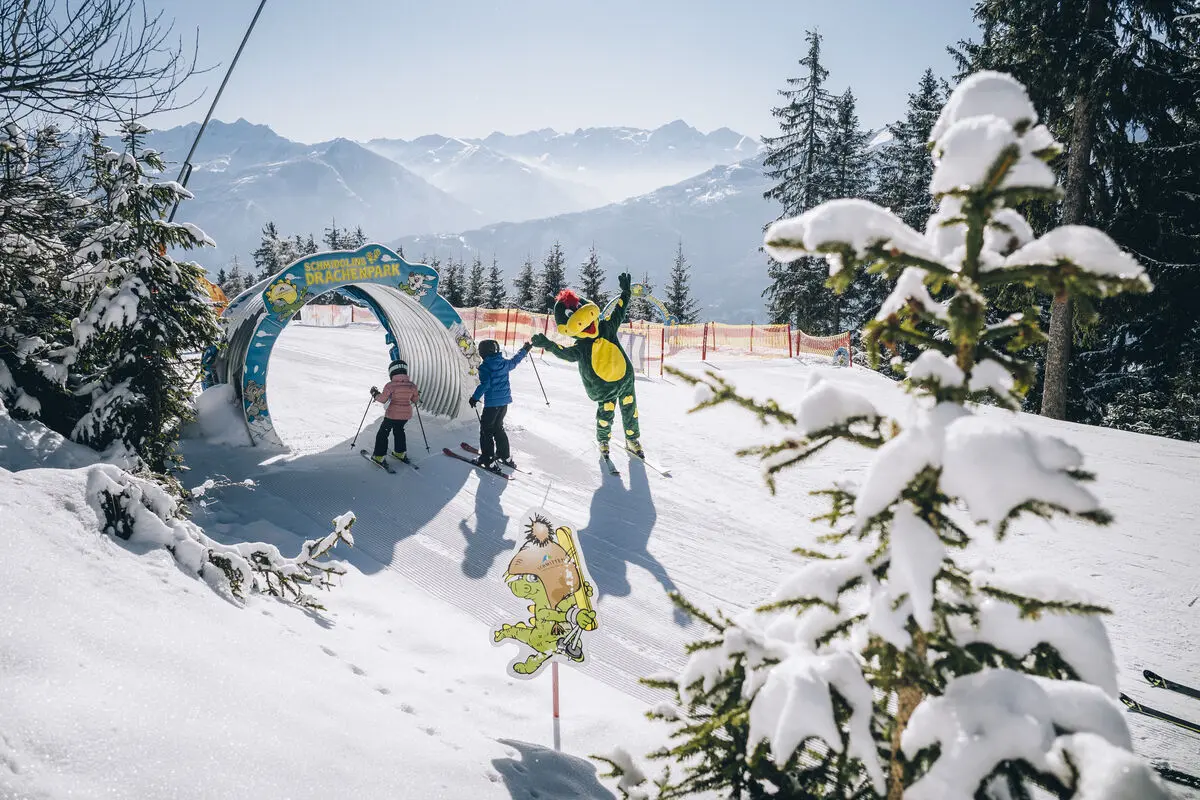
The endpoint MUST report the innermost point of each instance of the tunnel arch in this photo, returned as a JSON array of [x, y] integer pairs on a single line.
[[419, 326]]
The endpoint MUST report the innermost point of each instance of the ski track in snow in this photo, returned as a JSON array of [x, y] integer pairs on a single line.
[[712, 531]]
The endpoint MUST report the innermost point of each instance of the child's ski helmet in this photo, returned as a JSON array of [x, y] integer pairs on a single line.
[[489, 347], [398, 367]]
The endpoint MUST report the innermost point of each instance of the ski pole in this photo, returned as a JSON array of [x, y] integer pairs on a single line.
[[360, 424], [422, 424], [539, 380]]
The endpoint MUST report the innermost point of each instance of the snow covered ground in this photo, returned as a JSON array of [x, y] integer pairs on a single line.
[[122, 676]]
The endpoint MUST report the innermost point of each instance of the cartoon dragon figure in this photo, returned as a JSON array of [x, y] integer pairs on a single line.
[[284, 297], [548, 571], [604, 366]]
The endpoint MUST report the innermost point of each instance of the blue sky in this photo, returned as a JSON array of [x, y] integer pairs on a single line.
[[316, 69]]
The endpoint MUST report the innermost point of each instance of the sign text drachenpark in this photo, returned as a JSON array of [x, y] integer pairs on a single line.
[[340, 270]]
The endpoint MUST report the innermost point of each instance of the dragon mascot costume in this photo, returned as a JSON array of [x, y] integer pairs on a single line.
[[605, 368]]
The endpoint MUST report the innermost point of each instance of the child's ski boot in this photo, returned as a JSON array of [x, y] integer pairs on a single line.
[[507, 462], [402, 457]]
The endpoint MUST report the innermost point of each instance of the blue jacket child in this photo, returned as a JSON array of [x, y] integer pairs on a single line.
[[497, 395]]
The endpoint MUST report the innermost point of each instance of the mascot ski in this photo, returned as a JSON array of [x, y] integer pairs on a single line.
[[606, 370]]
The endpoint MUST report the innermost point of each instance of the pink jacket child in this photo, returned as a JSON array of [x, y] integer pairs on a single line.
[[399, 395]]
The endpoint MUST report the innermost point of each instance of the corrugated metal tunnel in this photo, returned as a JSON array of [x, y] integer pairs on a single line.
[[419, 325]]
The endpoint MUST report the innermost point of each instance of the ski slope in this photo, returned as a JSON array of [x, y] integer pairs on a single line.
[[712, 530], [397, 691]]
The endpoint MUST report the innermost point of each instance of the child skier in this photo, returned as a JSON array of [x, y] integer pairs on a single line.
[[494, 389], [399, 394]]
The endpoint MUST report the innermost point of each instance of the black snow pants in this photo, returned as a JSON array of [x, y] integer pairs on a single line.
[[394, 427], [493, 441]]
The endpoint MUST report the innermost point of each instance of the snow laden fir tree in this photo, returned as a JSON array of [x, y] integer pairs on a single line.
[[143, 311], [898, 666]]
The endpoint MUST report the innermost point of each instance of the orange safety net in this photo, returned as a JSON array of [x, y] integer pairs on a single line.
[[513, 327], [822, 345]]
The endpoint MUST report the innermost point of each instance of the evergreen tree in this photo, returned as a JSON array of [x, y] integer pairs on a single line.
[[39, 217], [267, 261], [1104, 73], [356, 239], [495, 294], [849, 175], [591, 279], [144, 312], [552, 280], [904, 166], [454, 285], [476, 292], [334, 237], [640, 309], [525, 287], [679, 300], [795, 161], [882, 669], [308, 247], [223, 281], [237, 281]]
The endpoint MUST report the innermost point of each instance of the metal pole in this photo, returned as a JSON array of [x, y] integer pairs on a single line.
[[185, 171], [360, 424], [422, 424], [539, 380], [557, 731]]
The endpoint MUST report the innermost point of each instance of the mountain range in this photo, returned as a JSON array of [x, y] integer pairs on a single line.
[[635, 193], [717, 216]]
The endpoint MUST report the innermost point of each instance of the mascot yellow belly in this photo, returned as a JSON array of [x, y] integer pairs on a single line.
[[608, 361]]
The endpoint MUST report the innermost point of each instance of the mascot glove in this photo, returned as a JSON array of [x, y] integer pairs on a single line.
[[540, 340], [626, 281]]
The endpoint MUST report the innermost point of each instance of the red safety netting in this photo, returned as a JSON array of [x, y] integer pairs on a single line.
[[654, 341], [822, 345]]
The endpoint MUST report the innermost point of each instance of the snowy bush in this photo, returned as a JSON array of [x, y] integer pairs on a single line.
[[141, 511], [886, 667]]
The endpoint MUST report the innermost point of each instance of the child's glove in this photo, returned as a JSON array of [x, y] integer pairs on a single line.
[[539, 340], [525, 348], [472, 402], [374, 392]]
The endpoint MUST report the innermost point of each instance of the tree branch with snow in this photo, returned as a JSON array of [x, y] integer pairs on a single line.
[[139, 510]]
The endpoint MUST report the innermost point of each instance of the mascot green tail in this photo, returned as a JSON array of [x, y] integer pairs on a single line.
[[604, 366]]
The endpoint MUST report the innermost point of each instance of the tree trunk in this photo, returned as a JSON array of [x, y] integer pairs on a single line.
[[907, 700], [1074, 212]]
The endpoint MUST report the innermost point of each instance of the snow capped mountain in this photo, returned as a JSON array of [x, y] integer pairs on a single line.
[[500, 187], [718, 215], [246, 175], [626, 162]]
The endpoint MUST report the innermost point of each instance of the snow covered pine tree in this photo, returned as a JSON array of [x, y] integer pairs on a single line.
[[145, 313], [891, 669]]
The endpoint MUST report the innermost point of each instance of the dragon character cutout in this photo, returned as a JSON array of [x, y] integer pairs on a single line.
[[548, 570], [604, 366]]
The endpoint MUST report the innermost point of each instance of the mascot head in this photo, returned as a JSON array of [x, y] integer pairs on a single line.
[[576, 317]]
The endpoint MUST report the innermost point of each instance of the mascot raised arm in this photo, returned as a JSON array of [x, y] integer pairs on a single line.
[[606, 370]]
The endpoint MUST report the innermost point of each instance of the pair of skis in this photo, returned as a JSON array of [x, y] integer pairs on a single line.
[[1159, 682], [612, 468], [474, 462], [384, 465]]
